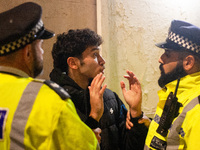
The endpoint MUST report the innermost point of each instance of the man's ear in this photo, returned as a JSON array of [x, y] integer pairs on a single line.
[[27, 53], [188, 63], [73, 62]]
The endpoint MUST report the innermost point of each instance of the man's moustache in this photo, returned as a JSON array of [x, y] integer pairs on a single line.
[[161, 68]]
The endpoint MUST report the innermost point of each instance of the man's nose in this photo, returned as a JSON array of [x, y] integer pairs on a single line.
[[101, 60]]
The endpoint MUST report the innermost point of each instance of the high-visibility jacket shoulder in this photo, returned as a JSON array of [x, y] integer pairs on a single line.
[[34, 116], [183, 133]]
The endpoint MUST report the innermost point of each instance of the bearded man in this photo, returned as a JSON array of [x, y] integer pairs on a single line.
[[176, 122]]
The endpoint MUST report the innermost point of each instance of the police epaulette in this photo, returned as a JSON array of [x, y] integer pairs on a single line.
[[58, 89]]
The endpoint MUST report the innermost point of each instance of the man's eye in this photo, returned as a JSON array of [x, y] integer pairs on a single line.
[[167, 54]]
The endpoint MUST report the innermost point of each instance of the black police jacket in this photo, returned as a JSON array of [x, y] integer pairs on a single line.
[[114, 135]]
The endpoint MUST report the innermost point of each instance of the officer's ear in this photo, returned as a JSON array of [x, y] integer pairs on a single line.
[[73, 62], [189, 64], [27, 64], [27, 53]]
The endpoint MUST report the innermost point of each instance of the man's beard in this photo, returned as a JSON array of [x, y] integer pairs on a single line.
[[38, 67], [178, 72], [37, 64], [83, 63]]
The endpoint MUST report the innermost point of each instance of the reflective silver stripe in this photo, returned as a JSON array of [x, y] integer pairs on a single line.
[[98, 146], [173, 137], [21, 115]]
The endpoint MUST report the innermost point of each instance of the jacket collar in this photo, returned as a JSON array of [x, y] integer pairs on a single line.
[[14, 71], [63, 79], [187, 85], [79, 96]]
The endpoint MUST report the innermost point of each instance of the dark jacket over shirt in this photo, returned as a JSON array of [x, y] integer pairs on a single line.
[[114, 135]]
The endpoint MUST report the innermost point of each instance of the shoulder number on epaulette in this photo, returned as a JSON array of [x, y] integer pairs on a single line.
[[3, 118], [59, 90]]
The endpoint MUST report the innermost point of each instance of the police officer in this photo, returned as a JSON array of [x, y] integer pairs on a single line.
[[176, 122], [180, 60], [34, 114]]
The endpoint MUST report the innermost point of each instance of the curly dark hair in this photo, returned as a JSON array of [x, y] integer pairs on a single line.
[[73, 44]]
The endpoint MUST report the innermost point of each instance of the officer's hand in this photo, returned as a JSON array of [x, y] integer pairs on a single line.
[[97, 132], [133, 96], [96, 97], [144, 120]]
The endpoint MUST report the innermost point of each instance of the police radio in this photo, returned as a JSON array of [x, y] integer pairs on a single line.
[[170, 112]]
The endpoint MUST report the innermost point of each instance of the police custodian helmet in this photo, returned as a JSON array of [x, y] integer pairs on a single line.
[[20, 26], [182, 36]]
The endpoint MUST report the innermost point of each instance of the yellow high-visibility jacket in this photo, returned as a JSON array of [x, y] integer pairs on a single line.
[[34, 117], [184, 132]]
